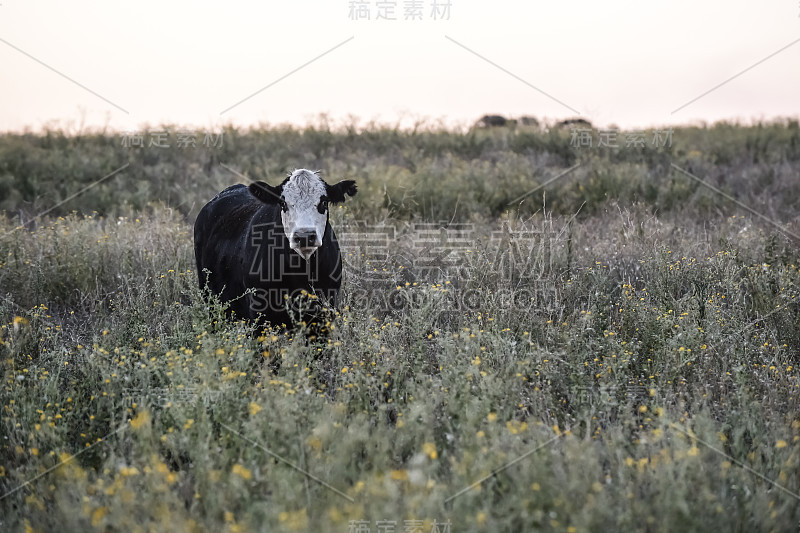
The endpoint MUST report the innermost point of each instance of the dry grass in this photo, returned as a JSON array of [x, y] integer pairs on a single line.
[[638, 371]]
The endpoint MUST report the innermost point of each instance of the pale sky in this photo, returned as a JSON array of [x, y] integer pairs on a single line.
[[625, 63]]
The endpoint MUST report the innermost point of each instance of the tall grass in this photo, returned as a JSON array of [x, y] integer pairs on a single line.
[[426, 173], [635, 387], [604, 368]]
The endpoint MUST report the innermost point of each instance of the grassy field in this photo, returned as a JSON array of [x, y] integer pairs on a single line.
[[618, 350]]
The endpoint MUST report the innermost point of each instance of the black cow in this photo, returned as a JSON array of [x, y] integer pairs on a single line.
[[572, 122], [492, 121], [277, 241]]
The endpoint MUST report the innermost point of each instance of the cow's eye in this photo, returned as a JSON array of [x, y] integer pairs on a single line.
[[283, 205], [323, 205]]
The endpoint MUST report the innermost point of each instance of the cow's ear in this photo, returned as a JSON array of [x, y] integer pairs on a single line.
[[266, 193], [336, 193]]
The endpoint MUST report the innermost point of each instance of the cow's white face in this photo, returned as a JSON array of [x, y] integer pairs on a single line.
[[303, 198], [304, 211]]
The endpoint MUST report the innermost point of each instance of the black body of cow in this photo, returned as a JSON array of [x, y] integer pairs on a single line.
[[241, 242], [581, 122], [490, 121]]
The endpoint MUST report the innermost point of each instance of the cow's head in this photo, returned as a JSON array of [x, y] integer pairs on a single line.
[[303, 198]]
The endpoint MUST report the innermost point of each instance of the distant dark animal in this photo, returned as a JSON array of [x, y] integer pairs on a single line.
[[574, 122], [492, 121], [276, 241]]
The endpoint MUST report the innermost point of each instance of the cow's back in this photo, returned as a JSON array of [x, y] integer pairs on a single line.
[[220, 239], [229, 212]]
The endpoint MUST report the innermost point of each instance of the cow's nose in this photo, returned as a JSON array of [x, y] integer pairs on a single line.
[[305, 237]]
